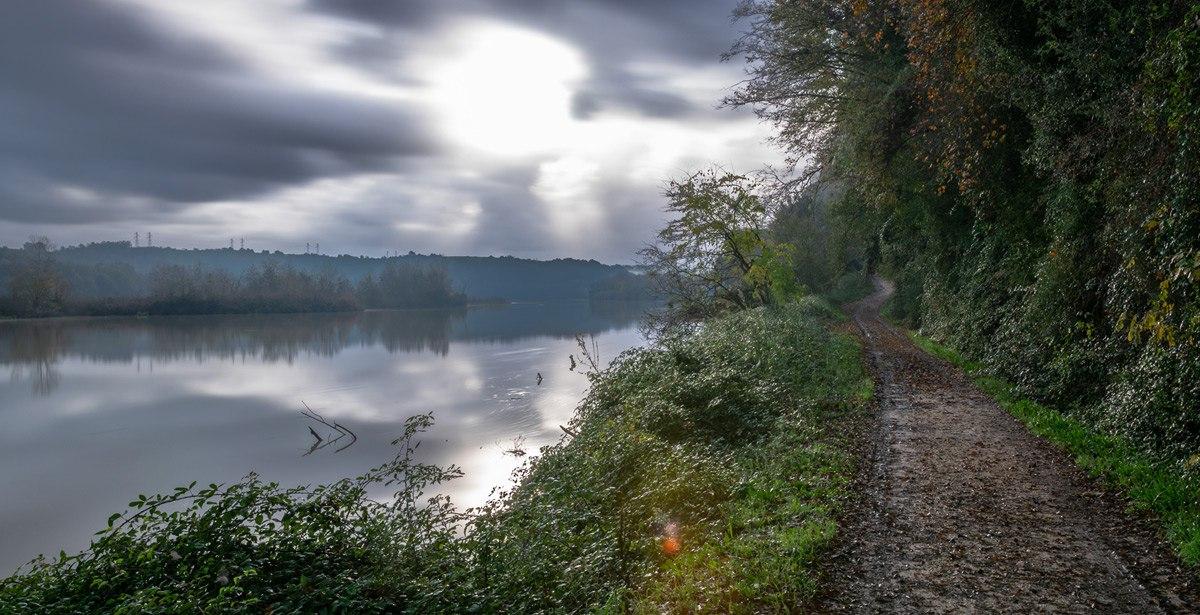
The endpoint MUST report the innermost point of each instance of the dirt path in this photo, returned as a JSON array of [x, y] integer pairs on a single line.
[[966, 511]]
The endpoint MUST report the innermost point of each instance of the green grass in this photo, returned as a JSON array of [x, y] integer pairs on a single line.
[[783, 517], [1151, 486]]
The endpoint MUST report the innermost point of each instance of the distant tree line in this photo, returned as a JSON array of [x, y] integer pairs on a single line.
[[125, 266], [401, 285], [624, 286], [36, 284], [269, 288]]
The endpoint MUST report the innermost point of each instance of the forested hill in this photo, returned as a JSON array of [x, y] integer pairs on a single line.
[[504, 277]]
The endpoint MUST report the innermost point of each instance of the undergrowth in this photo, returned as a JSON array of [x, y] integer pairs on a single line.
[[850, 286], [703, 474], [1154, 486]]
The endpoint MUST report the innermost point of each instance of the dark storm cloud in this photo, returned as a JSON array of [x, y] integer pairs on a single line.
[[697, 31], [94, 97], [647, 102], [508, 225]]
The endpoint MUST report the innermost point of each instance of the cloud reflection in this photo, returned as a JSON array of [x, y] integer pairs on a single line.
[[33, 349]]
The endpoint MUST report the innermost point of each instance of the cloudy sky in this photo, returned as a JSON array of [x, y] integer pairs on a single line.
[[536, 128]]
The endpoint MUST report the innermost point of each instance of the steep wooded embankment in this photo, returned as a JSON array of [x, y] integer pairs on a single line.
[[1027, 172]]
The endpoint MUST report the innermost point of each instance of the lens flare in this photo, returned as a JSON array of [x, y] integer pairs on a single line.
[[670, 539], [670, 545]]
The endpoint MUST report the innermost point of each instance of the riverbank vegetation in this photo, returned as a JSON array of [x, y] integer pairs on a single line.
[[718, 253], [39, 285], [1027, 173], [701, 474]]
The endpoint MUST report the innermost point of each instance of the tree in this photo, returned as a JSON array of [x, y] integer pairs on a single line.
[[36, 285], [368, 291], [402, 285], [714, 255]]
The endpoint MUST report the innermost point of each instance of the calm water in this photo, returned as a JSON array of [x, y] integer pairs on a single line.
[[98, 410]]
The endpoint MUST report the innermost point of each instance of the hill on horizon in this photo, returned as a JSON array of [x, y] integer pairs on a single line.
[[480, 277]]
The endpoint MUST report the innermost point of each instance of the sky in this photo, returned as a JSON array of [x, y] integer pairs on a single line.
[[536, 128]]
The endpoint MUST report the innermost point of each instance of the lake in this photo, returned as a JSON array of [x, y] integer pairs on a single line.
[[96, 411]]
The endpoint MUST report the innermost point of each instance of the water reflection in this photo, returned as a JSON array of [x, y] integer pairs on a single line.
[[32, 349], [99, 410]]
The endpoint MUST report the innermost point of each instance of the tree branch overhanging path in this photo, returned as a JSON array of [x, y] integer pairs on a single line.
[[964, 510]]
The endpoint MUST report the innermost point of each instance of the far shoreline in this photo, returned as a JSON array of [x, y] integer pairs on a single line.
[[482, 303]]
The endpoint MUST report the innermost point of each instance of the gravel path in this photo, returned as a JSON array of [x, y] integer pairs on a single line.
[[965, 511]]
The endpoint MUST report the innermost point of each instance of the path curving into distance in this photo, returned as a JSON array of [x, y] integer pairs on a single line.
[[963, 510]]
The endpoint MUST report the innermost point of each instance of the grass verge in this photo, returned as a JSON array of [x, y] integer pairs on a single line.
[[704, 474], [1151, 486]]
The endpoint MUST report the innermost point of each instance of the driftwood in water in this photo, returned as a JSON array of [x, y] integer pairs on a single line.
[[337, 428]]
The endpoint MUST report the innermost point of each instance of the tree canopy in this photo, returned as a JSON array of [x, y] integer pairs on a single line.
[[1028, 172]]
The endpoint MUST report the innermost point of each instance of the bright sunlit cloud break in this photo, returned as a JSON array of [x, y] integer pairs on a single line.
[[458, 128]]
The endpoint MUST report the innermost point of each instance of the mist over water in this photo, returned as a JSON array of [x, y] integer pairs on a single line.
[[96, 411]]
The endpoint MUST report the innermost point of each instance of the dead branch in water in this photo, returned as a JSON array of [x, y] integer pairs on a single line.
[[337, 428], [518, 447], [590, 355]]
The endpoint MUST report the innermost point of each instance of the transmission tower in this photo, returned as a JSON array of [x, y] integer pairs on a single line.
[[137, 240], [149, 239]]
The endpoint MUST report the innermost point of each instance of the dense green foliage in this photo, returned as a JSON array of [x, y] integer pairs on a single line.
[[1027, 171], [716, 252], [1151, 485], [702, 475], [849, 287]]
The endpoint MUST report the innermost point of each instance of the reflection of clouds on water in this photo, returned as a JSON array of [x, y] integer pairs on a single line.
[[229, 338], [33, 349], [135, 409]]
